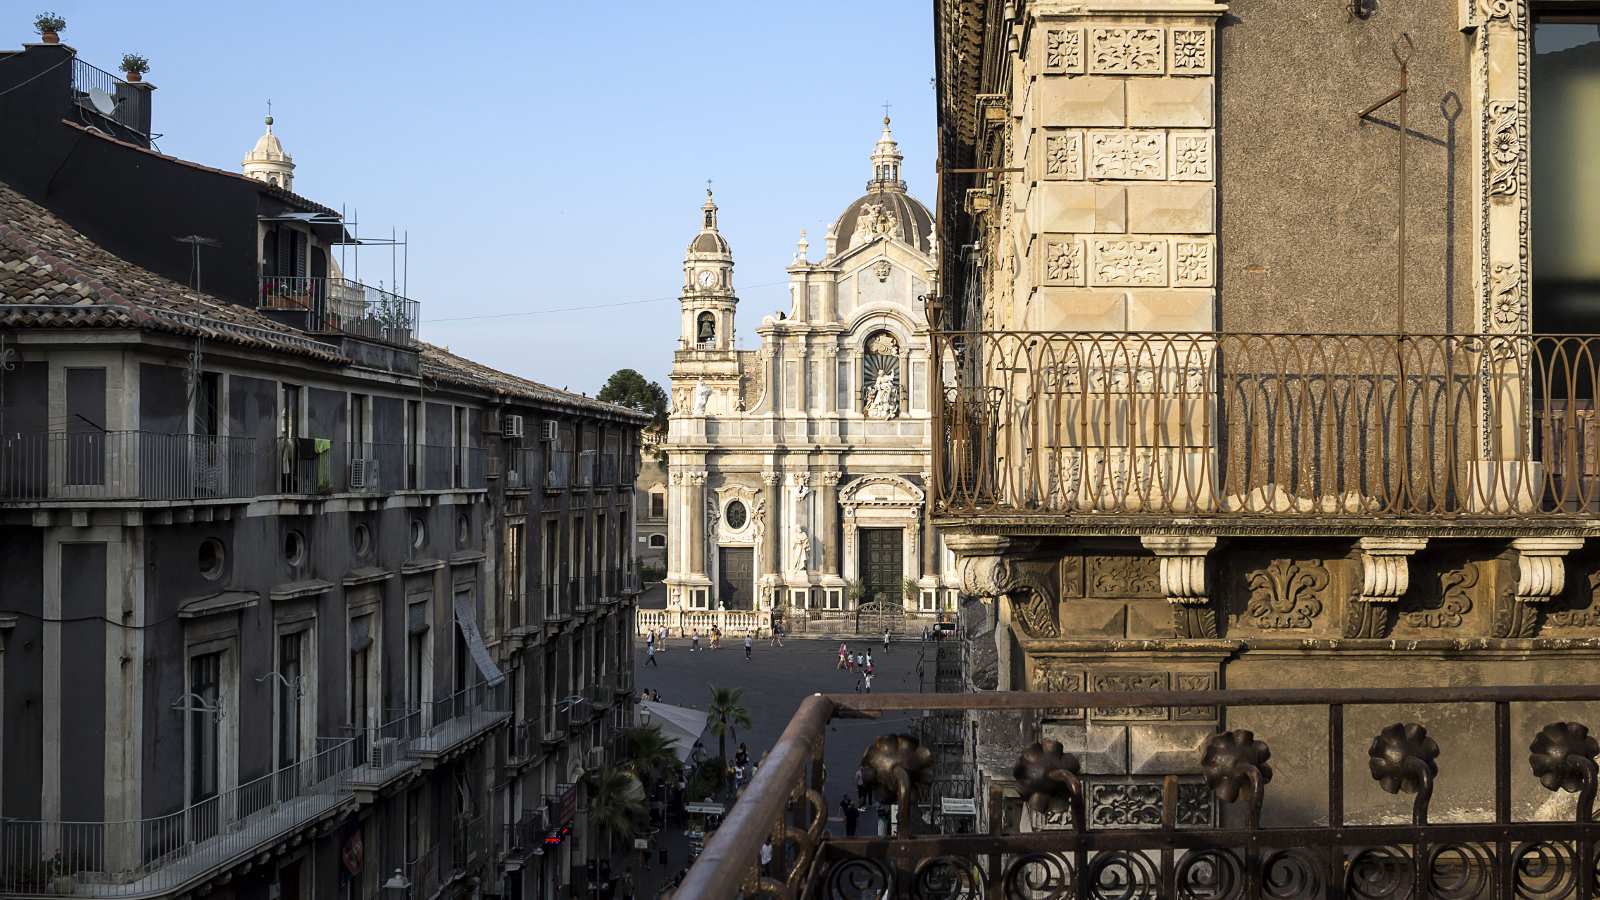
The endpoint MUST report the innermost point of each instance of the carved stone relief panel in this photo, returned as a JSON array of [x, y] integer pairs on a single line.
[[1127, 154], [1063, 51], [1124, 577], [1055, 676], [1442, 600], [1062, 156], [1192, 264], [1127, 262], [1062, 261], [1129, 681], [1071, 576], [1129, 803], [1127, 51], [1190, 155], [1190, 51], [1286, 594], [1578, 606], [1194, 681]]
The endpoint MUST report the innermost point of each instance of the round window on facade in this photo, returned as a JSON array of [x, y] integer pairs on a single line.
[[736, 515], [463, 531], [419, 534], [213, 557], [361, 540], [294, 548]]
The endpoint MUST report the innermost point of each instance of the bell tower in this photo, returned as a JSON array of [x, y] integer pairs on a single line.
[[707, 301]]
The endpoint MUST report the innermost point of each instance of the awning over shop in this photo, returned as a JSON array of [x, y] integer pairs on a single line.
[[467, 620], [680, 724]]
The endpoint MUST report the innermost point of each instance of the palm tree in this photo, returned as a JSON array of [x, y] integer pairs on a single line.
[[616, 801], [727, 711], [650, 753]]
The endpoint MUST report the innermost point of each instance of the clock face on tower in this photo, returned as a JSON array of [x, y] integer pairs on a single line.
[[705, 277]]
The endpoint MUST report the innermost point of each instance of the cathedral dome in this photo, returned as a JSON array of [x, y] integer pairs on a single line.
[[268, 161], [886, 208], [709, 242]]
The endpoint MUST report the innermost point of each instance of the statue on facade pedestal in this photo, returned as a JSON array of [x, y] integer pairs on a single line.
[[702, 394], [800, 549], [884, 400]]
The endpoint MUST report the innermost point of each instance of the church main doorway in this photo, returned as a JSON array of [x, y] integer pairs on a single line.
[[882, 558], [737, 574]]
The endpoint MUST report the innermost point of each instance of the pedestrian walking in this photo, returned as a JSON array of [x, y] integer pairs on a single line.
[[748, 645], [844, 654], [662, 641], [867, 677], [868, 661], [850, 814], [886, 640], [650, 655], [766, 858], [861, 786], [777, 634], [694, 641], [861, 660]]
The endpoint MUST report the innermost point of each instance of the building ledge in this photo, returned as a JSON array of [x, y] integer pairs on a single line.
[[367, 575], [420, 566], [296, 590], [217, 604], [467, 557]]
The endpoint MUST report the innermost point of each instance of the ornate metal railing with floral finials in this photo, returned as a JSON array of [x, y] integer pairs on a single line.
[[1050, 425], [1222, 827]]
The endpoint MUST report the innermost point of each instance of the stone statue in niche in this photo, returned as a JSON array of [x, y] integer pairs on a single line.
[[800, 549], [883, 402], [702, 394]]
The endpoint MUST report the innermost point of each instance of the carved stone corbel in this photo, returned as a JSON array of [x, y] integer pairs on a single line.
[[1183, 580], [1541, 574], [1385, 575], [994, 567]]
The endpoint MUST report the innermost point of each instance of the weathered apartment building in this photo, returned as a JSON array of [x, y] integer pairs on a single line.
[[295, 604]]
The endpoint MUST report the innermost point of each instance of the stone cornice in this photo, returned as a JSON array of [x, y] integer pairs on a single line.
[[1287, 527]]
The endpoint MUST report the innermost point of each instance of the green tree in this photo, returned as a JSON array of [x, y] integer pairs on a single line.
[[616, 802], [727, 713], [650, 753], [626, 387]]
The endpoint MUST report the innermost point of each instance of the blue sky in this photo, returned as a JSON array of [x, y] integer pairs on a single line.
[[548, 154]]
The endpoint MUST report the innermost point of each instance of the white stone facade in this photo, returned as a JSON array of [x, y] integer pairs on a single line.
[[797, 471]]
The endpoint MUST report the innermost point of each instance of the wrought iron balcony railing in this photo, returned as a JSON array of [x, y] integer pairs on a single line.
[[94, 87], [1221, 825], [1059, 424], [125, 465], [308, 465], [340, 305], [172, 853]]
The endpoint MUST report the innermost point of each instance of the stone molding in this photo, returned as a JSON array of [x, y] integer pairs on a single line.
[[1183, 580], [1385, 576], [1541, 574]]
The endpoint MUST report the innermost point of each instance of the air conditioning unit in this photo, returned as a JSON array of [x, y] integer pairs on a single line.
[[363, 473], [549, 430], [511, 426], [385, 752]]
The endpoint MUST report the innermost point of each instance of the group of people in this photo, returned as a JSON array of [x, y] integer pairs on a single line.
[[860, 663], [655, 640]]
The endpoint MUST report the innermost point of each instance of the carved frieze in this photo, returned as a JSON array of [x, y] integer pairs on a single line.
[[1286, 594], [1055, 677], [1191, 51], [1455, 600], [1127, 154], [1507, 144], [1587, 616], [1063, 261], [1129, 681], [1127, 51], [1124, 577], [1063, 51], [1063, 155], [1507, 307], [1190, 156], [1194, 681], [1191, 264], [1126, 262], [1035, 613], [1137, 804]]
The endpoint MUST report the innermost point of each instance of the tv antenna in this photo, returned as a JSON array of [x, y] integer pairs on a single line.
[[195, 242]]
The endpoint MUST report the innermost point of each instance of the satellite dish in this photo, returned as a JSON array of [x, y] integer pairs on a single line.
[[102, 101]]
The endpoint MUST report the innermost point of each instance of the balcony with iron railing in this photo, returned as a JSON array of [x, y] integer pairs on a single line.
[[342, 306], [309, 465], [556, 723], [452, 721], [1273, 800], [179, 852], [124, 465], [99, 95], [1074, 428]]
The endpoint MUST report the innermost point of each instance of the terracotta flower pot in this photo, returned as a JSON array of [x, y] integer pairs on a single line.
[[50, 37], [134, 76]]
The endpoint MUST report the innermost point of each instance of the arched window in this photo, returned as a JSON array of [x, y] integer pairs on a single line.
[[705, 331], [880, 376], [658, 542]]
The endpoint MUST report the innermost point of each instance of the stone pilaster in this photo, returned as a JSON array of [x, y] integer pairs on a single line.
[[930, 535], [1385, 575], [1541, 574], [694, 522], [828, 532], [771, 546], [1183, 580]]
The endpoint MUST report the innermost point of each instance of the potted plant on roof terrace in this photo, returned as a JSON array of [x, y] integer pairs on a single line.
[[134, 66], [49, 25]]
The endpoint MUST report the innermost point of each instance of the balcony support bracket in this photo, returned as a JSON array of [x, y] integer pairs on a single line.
[[1541, 574], [1385, 575], [1183, 580]]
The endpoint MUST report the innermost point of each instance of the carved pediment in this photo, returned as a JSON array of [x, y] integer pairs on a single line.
[[881, 490]]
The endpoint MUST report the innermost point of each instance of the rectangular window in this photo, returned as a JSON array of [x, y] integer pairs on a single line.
[[208, 405], [360, 404], [458, 458], [575, 566], [550, 567], [413, 444], [658, 505], [418, 657], [602, 559], [1564, 140], [289, 452], [516, 585], [205, 707], [288, 684]]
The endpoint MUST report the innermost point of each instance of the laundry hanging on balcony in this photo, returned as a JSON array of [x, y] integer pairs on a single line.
[[467, 619]]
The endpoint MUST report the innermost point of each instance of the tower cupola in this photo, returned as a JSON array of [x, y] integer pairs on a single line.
[[268, 161]]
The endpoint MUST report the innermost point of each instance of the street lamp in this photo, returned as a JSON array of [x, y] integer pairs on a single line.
[[399, 883]]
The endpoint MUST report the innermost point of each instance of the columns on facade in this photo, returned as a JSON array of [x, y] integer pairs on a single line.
[[694, 512], [772, 529], [930, 535], [1385, 575], [1541, 574], [829, 382], [1183, 580], [828, 533]]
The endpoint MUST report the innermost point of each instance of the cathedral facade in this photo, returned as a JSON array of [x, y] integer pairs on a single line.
[[797, 472]]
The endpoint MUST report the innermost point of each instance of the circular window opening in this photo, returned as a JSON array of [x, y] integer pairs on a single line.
[[361, 539], [294, 548], [736, 515], [212, 557], [463, 530], [419, 534]]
